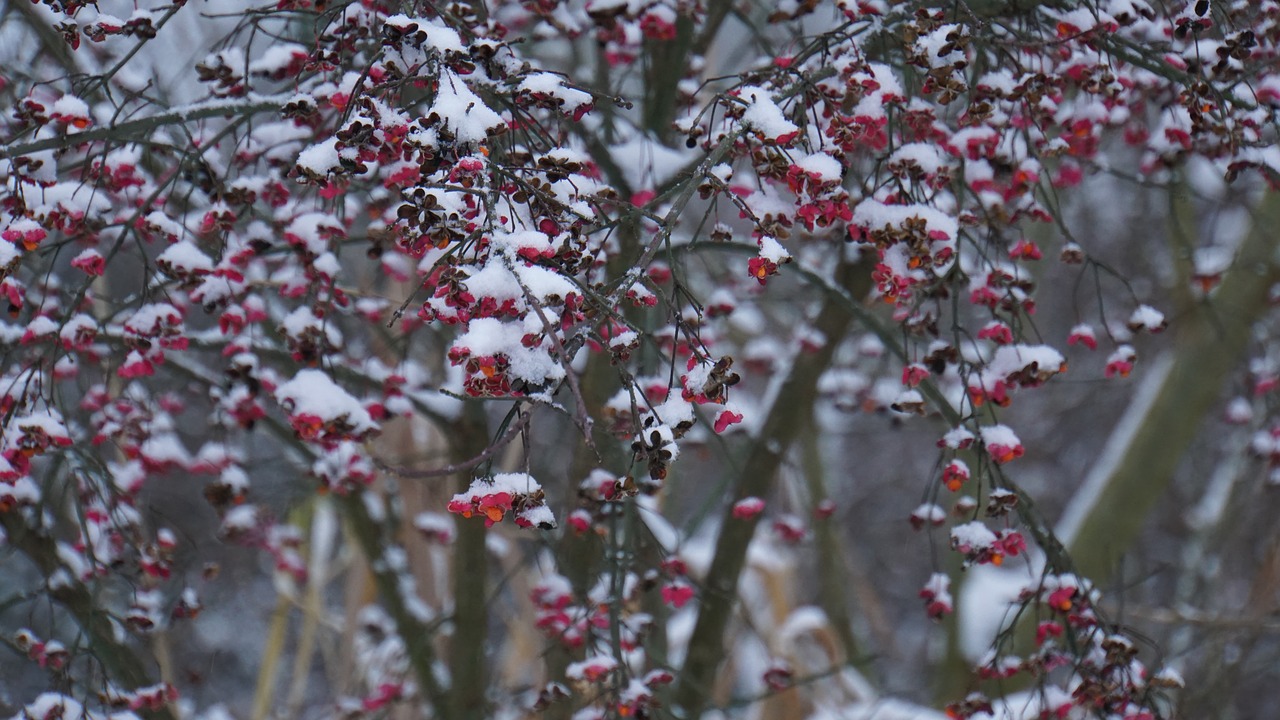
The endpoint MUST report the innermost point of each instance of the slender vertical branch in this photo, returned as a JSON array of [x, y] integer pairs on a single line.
[[319, 550], [369, 535], [272, 656], [833, 574], [467, 667], [785, 417], [668, 61]]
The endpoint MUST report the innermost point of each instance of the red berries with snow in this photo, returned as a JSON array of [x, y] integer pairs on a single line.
[[928, 514], [996, 332], [494, 496], [1120, 363], [677, 594], [955, 474], [1083, 335], [914, 374], [748, 508], [24, 233], [937, 596], [296, 255], [1001, 444], [980, 545], [592, 670]]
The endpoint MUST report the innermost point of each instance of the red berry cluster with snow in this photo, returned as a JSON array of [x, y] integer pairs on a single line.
[[417, 218], [494, 496]]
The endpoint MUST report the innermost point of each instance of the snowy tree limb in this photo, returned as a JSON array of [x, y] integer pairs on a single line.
[[122, 132]]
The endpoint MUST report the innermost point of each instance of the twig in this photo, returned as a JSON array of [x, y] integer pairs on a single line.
[[493, 449], [151, 122], [582, 418]]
